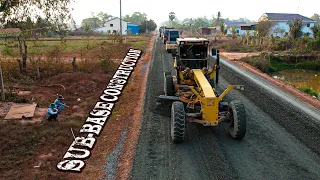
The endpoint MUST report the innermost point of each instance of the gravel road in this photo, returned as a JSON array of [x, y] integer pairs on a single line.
[[282, 140]]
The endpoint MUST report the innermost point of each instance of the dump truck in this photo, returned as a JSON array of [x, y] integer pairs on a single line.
[[191, 88], [171, 43]]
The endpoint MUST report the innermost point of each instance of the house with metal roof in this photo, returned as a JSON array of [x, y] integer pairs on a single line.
[[113, 26], [229, 26], [280, 21]]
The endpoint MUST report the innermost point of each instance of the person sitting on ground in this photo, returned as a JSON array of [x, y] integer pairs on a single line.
[[59, 103], [52, 112]]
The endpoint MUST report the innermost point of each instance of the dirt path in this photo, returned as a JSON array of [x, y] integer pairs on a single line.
[[281, 141]]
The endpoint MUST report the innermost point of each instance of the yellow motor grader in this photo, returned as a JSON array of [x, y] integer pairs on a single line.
[[192, 88]]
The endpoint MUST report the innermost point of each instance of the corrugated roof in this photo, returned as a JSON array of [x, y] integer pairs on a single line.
[[130, 24], [286, 17], [10, 32], [234, 23], [114, 19]]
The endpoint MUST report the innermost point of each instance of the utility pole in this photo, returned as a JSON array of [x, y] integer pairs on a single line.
[[120, 20], [146, 24]]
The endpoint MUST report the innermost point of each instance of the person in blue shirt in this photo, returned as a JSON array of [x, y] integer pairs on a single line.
[[52, 112], [59, 103]]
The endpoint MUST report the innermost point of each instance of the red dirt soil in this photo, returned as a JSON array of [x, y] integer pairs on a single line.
[[288, 88]]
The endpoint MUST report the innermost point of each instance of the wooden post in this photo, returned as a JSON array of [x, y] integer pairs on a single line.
[[3, 98], [74, 64], [38, 72]]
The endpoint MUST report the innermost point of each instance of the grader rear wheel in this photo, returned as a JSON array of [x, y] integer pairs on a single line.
[[237, 119], [177, 122], [168, 86]]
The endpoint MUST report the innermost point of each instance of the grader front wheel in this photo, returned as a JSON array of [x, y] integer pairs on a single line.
[[177, 121], [168, 85], [237, 119]]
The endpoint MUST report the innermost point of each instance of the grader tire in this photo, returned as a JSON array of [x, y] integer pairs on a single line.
[[168, 86], [237, 119], [177, 122]]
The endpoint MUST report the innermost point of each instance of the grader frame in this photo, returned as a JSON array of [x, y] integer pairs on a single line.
[[200, 102]]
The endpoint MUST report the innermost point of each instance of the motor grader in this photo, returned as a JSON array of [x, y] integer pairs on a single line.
[[192, 90]]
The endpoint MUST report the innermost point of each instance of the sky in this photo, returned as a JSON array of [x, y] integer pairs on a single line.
[[159, 10]]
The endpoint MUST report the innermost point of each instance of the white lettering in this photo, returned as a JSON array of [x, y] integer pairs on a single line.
[[118, 81], [88, 128], [71, 165], [86, 142], [115, 86], [99, 121], [104, 105], [76, 153], [108, 98], [99, 113], [112, 92]]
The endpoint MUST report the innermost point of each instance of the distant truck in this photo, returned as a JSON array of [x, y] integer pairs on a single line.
[[171, 43], [165, 34], [161, 30]]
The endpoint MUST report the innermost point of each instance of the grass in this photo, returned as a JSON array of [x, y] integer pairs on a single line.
[[309, 91], [73, 44], [269, 64]]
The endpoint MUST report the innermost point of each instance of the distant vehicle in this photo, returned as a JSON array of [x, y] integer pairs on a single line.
[[171, 43], [161, 29], [165, 34]]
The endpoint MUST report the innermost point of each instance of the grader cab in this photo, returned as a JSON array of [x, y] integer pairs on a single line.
[[192, 88]]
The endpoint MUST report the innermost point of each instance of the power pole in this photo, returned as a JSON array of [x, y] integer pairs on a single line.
[[120, 20], [146, 25]]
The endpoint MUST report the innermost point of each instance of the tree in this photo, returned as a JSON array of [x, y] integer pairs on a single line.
[[218, 21], [234, 31], [316, 31], [103, 17], [93, 22], [151, 26], [316, 17], [172, 16], [295, 28], [136, 18], [19, 15], [222, 28], [263, 29]]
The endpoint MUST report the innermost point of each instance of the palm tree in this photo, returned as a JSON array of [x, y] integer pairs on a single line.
[[247, 36], [234, 31], [218, 18], [316, 31], [295, 28], [222, 28]]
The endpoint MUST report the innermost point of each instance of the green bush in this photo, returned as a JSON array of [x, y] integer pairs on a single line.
[[314, 44], [309, 91], [309, 65]]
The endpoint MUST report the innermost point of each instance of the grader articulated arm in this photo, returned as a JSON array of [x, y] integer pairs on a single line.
[[205, 94]]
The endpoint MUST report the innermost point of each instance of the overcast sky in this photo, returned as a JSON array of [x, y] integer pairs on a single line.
[[159, 10]]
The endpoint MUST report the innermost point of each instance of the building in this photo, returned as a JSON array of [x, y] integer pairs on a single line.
[[280, 21], [113, 25], [205, 31], [229, 26], [248, 27], [133, 28]]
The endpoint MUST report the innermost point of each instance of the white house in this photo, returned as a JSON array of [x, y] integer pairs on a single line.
[[280, 23], [113, 25], [229, 26]]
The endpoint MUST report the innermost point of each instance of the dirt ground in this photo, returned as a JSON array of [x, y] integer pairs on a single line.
[[32, 150], [235, 58]]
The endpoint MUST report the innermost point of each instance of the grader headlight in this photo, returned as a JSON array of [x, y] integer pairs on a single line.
[[240, 87]]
